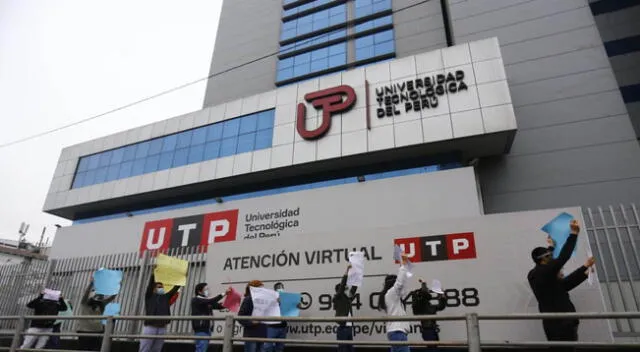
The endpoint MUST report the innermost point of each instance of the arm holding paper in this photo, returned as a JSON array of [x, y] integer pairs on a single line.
[[578, 276], [173, 291], [556, 265]]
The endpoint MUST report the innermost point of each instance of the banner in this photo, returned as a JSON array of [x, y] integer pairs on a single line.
[[289, 303], [265, 302], [356, 273], [107, 282], [232, 300], [559, 230]]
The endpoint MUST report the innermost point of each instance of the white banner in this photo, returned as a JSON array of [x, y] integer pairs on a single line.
[[265, 302], [356, 273]]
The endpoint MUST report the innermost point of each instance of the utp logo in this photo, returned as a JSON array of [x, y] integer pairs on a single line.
[[199, 230], [330, 101], [442, 247]]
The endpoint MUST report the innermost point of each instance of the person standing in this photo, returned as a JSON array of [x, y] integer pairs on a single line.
[[391, 302], [551, 287], [251, 328], [342, 303], [156, 303], [42, 306], [203, 305], [276, 331], [421, 304], [91, 304]]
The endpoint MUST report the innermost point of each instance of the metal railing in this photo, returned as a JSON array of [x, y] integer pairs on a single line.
[[473, 341]]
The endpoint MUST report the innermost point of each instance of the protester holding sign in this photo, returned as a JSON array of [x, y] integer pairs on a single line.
[[342, 305], [49, 302], [156, 303], [279, 330], [552, 289], [91, 303], [54, 341], [391, 302], [203, 305], [251, 328], [421, 305]]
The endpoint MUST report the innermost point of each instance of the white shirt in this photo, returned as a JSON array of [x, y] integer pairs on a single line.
[[393, 300]]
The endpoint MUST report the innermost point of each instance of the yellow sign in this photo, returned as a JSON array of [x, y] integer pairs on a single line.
[[171, 271]]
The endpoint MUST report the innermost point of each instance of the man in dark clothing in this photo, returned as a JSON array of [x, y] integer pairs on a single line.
[[203, 305], [42, 306], [156, 303], [251, 328], [552, 289], [421, 305], [342, 305]]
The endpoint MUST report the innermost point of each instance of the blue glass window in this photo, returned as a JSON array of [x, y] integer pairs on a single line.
[[313, 22], [369, 7], [313, 61], [238, 135], [303, 7], [378, 22], [375, 45]]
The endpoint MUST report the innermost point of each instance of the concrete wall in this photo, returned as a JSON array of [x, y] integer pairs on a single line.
[[575, 144], [248, 30]]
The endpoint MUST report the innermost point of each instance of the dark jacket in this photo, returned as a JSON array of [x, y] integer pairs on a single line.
[[342, 301], [43, 306], [551, 291], [421, 305], [251, 329], [156, 304], [204, 306]]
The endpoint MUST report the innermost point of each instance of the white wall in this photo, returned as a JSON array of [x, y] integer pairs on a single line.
[[399, 200]]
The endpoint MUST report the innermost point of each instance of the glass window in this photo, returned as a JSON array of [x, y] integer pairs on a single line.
[[214, 132], [166, 159], [155, 146], [231, 128], [169, 143], [248, 123], [375, 45], [125, 169], [151, 164], [138, 167], [180, 158], [199, 136], [129, 153], [78, 181], [105, 158], [246, 142], [263, 139], [211, 150], [94, 160], [184, 139], [313, 22], [368, 7], [89, 178], [117, 155], [83, 164], [101, 175], [112, 172], [142, 150], [265, 119], [196, 154], [228, 146]]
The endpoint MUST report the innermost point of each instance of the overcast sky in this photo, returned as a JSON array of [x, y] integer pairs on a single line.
[[65, 60]]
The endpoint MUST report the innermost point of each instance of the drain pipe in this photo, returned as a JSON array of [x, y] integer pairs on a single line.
[[446, 19]]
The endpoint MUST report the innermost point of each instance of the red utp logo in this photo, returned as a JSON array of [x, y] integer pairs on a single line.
[[330, 101], [452, 246], [198, 230]]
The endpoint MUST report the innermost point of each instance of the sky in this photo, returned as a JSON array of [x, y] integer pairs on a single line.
[[65, 60]]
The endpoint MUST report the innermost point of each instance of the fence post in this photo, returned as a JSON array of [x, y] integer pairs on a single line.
[[106, 337], [49, 273], [139, 292], [473, 332], [227, 339], [15, 343]]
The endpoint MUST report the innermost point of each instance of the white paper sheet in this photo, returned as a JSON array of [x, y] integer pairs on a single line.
[[436, 286], [265, 303], [52, 295], [356, 274]]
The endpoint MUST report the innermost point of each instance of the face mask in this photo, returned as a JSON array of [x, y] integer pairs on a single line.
[[205, 293], [280, 290], [160, 291]]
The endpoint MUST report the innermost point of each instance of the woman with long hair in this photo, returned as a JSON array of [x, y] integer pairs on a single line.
[[251, 328], [391, 302]]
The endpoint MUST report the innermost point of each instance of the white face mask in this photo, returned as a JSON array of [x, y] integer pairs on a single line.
[[205, 292], [280, 289]]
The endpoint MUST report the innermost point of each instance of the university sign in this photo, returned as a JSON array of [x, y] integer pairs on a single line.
[[392, 100]]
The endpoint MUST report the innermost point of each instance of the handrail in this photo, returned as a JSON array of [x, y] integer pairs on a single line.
[[473, 333]]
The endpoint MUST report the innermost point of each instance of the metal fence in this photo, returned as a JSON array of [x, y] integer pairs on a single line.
[[19, 283], [614, 235], [474, 343]]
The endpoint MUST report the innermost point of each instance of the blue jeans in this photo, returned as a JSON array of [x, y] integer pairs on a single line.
[[431, 334], [275, 332], [345, 333], [398, 336], [202, 345]]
